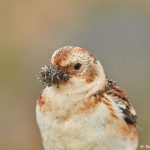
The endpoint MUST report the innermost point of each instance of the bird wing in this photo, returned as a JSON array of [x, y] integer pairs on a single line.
[[119, 97]]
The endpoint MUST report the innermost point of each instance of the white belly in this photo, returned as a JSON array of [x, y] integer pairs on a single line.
[[80, 133]]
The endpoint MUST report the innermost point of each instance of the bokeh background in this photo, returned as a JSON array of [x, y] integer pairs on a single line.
[[117, 32]]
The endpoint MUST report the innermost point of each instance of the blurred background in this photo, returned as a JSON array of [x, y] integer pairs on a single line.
[[117, 32]]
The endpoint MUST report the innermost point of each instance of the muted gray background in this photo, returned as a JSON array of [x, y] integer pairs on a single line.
[[117, 32]]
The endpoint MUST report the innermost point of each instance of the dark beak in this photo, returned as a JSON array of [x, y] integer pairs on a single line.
[[52, 75]]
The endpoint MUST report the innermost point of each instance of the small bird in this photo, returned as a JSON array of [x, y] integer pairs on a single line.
[[80, 108]]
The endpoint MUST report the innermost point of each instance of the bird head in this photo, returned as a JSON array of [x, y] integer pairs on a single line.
[[73, 70]]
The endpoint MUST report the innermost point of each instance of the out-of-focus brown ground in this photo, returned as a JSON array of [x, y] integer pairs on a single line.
[[118, 32]]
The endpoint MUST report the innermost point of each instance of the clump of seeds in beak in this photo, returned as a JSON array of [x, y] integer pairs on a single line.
[[52, 75]]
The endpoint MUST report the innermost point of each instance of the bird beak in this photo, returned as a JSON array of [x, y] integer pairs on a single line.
[[52, 75]]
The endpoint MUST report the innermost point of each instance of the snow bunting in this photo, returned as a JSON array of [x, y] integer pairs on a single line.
[[80, 108]]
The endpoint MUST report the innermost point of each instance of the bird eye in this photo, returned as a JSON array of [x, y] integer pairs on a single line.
[[77, 66]]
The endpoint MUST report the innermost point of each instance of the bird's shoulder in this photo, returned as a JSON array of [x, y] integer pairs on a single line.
[[119, 97]]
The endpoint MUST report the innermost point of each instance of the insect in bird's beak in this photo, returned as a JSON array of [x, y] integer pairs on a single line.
[[52, 75]]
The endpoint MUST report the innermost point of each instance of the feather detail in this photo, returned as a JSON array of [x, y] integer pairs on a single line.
[[121, 100]]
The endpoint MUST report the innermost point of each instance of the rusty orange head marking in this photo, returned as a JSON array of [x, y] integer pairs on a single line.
[[90, 74], [69, 54], [82, 68], [71, 59]]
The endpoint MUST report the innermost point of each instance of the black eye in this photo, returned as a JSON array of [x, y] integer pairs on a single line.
[[77, 66]]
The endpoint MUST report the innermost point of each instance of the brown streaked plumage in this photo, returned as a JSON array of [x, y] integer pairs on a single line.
[[89, 105], [41, 101], [121, 98], [44, 105]]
